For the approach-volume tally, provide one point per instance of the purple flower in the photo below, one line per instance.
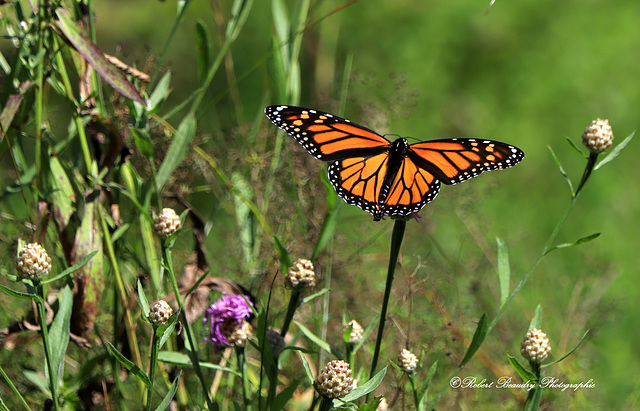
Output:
(224, 314)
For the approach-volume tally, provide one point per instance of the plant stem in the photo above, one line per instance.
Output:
(396, 241)
(45, 340)
(242, 365)
(152, 365)
(192, 350)
(293, 304)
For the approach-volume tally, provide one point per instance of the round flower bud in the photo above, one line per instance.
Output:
(33, 261)
(301, 275)
(597, 137)
(334, 380)
(407, 361)
(159, 312)
(276, 341)
(237, 333)
(166, 223)
(535, 346)
(356, 332)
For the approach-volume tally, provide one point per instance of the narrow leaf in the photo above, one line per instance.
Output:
(422, 393)
(285, 395)
(330, 220)
(160, 93)
(478, 338)
(575, 147)
(564, 173)
(178, 150)
(580, 241)
(504, 271)
(525, 374)
(307, 368)
(126, 363)
(142, 300)
(71, 269)
(59, 332)
(536, 321)
(363, 389)
(533, 399)
(166, 401)
(95, 57)
(569, 353)
(314, 338)
(314, 295)
(11, 107)
(143, 142)
(16, 294)
(285, 258)
(183, 360)
(203, 51)
(615, 152)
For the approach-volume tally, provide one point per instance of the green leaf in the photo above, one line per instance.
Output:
(95, 57)
(160, 93)
(126, 363)
(564, 173)
(16, 294)
(183, 360)
(143, 142)
(142, 300)
(59, 333)
(314, 338)
(575, 147)
(166, 401)
(615, 152)
(422, 393)
(570, 351)
(285, 395)
(362, 390)
(330, 222)
(525, 374)
(536, 321)
(504, 271)
(533, 399)
(307, 368)
(178, 150)
(11, 107)
(478, 338)
(71, 269)
(285, 258)
(578, 242)
(203, 51)
(314, 295)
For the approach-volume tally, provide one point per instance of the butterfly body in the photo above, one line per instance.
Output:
(388, 177)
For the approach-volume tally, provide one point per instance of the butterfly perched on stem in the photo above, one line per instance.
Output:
(385, 177)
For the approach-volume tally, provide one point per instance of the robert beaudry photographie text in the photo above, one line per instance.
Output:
(509, 382)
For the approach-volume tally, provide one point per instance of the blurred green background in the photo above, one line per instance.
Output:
(529, 73)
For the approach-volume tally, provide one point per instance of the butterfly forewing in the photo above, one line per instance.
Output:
(455, 160)
(324, 135)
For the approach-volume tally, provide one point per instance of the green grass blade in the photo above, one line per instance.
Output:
(536, 321)
(578, 242)
(363, 389)
(129, 365)
(615, 152)
(166, 401)
(203, 50)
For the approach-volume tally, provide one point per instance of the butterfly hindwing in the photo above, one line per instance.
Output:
(325, 136)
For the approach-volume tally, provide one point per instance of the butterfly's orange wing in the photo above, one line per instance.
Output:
(455, 160)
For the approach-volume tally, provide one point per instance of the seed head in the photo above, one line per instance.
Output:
(300, 275)
(356, 332)
(166, 223)
(334, 380)
(160, 312)
(535, 346)
(407, 361)
(597, 137)
(237, 333)
(33, 261)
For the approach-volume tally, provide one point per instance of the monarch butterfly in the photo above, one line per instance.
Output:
(384, 177)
